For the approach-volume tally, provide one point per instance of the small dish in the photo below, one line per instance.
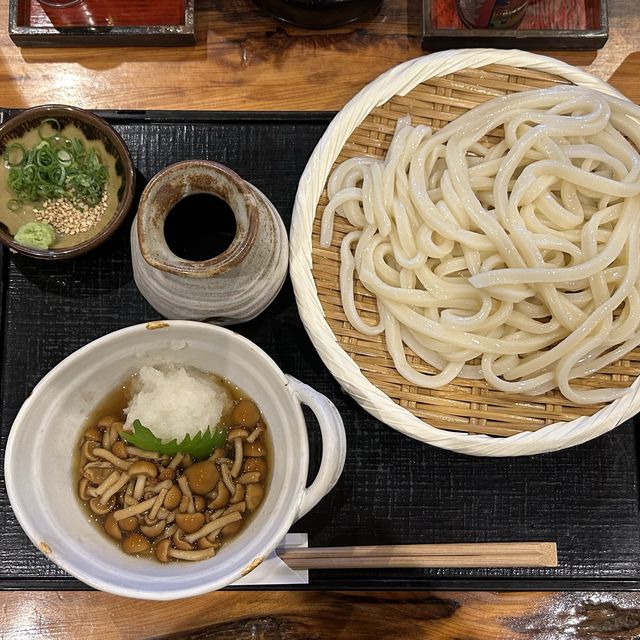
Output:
(119, 187)
(40, 466)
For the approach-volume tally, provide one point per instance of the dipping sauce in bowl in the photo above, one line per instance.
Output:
(66, 182)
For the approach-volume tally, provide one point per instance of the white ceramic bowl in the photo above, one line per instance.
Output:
(39, 456)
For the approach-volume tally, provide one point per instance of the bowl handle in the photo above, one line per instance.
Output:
(334, 443)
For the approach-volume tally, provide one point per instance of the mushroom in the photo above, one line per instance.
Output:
(199, 554)
(135, 543)
(214, 525)
(216, 455)
(231, 529)
(199, 503)
(177, 459)
(166, 474)
(153, 514)
(87, 450)
(114, 488)
(172, 498)
(101, 509)
(93, 434)
(83, 487)
(134, 510)
(128, 524)
(186, 504)
(168, 532)
(236, 436)
(178, 540)
(110, 525)
(142, 469)
(190, 522)
(162, 550)
(226, 478)
(245, 413)
(222, 497)
(254, 450)
(113, 433)
(255, 464)
(123, 465)
(187, 461)
(106, 421)
(255, 434)
(111, 479)
(238, 496)
(134, 452)
(253, 496)
(119, 449)
(202, 477)
(205, 543)
(238, 506)
(95, 474)
(151, 531)
(250, 477)
(164, 485)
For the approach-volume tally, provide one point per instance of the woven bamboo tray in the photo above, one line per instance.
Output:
(466, 415)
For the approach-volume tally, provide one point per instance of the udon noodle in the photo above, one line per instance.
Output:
(515, 260)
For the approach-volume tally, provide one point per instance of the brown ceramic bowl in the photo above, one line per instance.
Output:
(121, 181)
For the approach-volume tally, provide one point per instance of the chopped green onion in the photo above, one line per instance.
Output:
(57, 167)
(55, 125)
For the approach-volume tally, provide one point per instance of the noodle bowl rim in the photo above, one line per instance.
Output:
(398, 81)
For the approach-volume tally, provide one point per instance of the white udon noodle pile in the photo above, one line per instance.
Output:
(522, 253)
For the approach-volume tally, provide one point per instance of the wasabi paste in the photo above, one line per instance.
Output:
(36, 235)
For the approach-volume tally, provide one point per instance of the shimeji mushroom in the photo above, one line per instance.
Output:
(111, 479)
(226, 478)
(153, 530)
(97, 472)
(135, 543)
(173, 497)
(202, 477)
(112, 527)
(250, 477)
(236, 436)
(255, 464)
(254, 450)
(101, 509)
(253, 496)
(142, 469)
(162, 550)
(245, 413)
(114, 488)
(119, 449)
(128, 524)
(93, 434)
(134, 452)
(190, 522)
(194, 555)
(214, 525)
(134, 509)
(87, 450)
(222, 497)
(123, 465)
(254, 434)
(179, 542)
(238, 496)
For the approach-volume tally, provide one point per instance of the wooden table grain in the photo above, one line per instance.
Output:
(244, 60)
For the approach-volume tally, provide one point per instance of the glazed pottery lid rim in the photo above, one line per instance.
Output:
(166, 260)
(124, 156)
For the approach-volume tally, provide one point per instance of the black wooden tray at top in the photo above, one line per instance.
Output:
(393, 490)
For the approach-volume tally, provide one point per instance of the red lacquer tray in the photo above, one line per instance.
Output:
(548, 24)
(96, 22)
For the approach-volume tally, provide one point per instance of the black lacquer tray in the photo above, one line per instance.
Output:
(393, 490)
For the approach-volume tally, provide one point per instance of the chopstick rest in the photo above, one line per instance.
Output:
(454, 555)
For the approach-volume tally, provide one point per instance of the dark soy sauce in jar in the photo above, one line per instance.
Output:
(199, 227)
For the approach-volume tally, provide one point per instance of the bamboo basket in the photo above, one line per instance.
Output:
(466, 415)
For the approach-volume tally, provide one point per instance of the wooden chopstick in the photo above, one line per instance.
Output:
(452, 555)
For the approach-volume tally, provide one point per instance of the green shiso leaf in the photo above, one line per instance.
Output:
(200, 446)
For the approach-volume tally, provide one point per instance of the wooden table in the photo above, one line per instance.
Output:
(244, 60)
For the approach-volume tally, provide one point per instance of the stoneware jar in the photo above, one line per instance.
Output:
(41, 466)
(232, 287)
